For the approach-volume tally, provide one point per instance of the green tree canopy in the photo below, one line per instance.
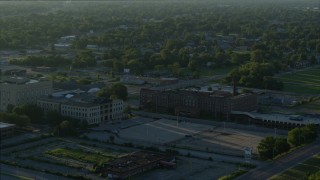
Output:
(65, 128)
(255, 74)
(34, 112)
(13, 118)
(266, 147)
(116, 91)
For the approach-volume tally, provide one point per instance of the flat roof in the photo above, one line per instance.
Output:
(5, 125)
(133, 161)
(19, 80)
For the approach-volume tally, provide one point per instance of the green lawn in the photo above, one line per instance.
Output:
(301, 171)
(80, 155)
(307, 81)
(311, 106)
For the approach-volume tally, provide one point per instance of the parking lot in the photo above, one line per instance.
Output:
(190, 169)
(162, 131)
(217, 139)
(224, 140)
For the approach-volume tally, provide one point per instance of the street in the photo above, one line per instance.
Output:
(19, 173)
(269, 170)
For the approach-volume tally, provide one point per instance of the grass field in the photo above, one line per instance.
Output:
(311, 107)
(301, 171)
(81, 155)
(305, 81)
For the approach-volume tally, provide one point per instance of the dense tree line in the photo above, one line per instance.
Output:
(255, 74)
(85, 59)
(174, 38)
(115, 91)
(49, 61)
(298, 136)
(315, 176)
(270, 147)
(25, 114)
(13, 118)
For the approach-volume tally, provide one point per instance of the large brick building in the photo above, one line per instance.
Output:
(194, 103)
(135, 163)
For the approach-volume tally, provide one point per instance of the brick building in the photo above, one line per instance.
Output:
(135, 163)
(194, 103)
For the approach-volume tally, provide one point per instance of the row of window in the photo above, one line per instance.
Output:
(79, 114)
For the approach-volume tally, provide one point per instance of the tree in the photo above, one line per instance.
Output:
(13, 118)
(116, 91)
(294, 137)
(85, 59)
(80, 43)
(135, 66)
(315, 176)
(84, 81)
(117, 66)
(127, 109)
(34, 112)
(65, 128)
(255, 74)
(257, 56)
(119, 91)
(309, 132)
(53, 118)
(281, 145)
(266, 147)
(105, 92)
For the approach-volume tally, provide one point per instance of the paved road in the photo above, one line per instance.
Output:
(27, 173)
(269, 170)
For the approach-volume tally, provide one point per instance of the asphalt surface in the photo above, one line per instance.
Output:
(269, 170)
(12, 172)
(232, 125)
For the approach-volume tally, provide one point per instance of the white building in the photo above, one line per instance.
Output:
(84, 107)
(117, 110)
(92, 113)
(17, 90)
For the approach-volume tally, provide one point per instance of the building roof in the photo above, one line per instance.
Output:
(19, 80)
(6, 125)
(83, 100)
(192, 93)
(75, 85)
(133, 161)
